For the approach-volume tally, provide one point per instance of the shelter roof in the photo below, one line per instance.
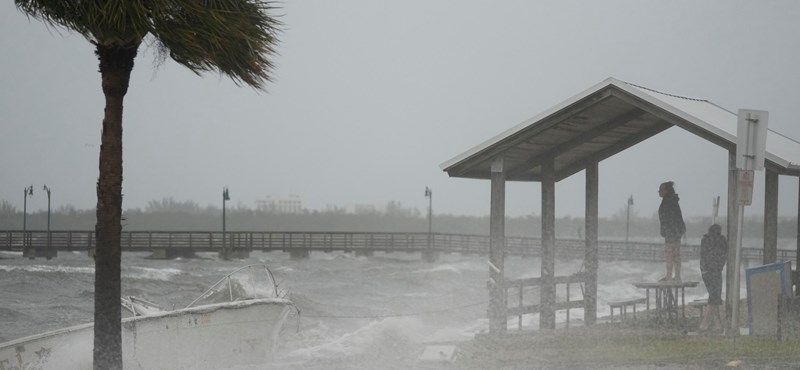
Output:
(603, 121)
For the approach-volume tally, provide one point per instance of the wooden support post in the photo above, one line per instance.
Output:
(91, 246)
(28, 251)
(590, 260)
(299, 253)
(365, 252)
(158, 254)
(497, 291)
(430, 256)
(547, 317)
(770, 216)
(240, 253)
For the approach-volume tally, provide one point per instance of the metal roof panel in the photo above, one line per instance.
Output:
(604, 102)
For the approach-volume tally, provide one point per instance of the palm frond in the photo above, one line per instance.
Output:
(235, 37)
(109, 23)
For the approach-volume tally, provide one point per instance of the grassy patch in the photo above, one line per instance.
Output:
(614, 346)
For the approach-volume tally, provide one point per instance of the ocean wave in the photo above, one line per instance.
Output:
(440, 268)
(283, 269)
(86, 294)
(10, 254)
(417, 295)
(380, 336)
(150, 273)
(12, 315)
(48, 269)
(459, 334)
(457, 268)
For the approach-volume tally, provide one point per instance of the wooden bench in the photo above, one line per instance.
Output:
(623, 305)
(700, 304)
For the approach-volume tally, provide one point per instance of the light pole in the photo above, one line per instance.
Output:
(47, 189)
(714, 210)
(28, 192)
(429, 195)
(225, 197)
(628, 218)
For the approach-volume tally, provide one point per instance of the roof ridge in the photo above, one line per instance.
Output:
(667, 94)
(679, 96)
(705, 101)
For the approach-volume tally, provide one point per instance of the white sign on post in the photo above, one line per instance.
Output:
(751, 144)
(744, 187)
(751, 139)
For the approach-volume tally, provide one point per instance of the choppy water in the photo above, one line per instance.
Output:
(376, 312)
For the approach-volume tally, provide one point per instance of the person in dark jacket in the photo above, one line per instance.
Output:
(713, 255)
(672, 229)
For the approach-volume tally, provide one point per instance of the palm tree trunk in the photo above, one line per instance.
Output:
(116, 64)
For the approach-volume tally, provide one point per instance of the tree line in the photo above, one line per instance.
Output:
(171, 215)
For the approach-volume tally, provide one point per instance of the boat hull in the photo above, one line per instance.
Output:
(215, 336)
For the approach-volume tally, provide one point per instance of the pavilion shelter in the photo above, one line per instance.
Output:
(575, 136)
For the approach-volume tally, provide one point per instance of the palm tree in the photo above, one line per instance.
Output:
(235, 37)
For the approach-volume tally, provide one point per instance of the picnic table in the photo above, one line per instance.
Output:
(669, 296)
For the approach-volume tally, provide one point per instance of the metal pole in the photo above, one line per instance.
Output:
(429, 195)
(628, 217)
(224, 198)
(749, 164)
(430, 217)
(48, 216)
(627, 222)
(24, 211)
(27, 192)
(223, 225)
(737, 275)
(714, 209)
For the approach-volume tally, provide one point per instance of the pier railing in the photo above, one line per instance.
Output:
(521, 307)
(212, 241)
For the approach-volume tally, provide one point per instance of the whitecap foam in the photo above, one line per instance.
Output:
(11, 253)
(283, 269)
(635, 268)
(382, 334)
(48, 268)
(150, 273)
(457, 268)
(441, 268)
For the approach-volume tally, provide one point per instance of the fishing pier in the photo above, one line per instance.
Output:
(239, 244)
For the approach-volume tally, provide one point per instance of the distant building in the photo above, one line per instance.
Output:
(358, 208)
(291, 204)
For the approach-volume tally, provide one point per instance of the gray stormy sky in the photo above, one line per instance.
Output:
(370, 97)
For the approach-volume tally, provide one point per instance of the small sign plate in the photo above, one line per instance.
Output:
(744, 187)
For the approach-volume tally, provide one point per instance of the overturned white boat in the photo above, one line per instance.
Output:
(235, 322)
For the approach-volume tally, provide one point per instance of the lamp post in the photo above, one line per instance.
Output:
(47, 189)
(714, 210)
(628, 218)
(429, 195)
(27, 192)
(225, 197)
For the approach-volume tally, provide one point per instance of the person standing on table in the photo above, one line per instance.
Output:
(672, 229)
(713, 255)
